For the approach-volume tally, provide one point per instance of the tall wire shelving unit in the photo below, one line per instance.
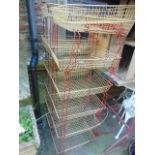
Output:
(74, 65)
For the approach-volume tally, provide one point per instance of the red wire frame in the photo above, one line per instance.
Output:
(71, 63)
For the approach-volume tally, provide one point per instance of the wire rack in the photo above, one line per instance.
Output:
(77, 107)
(93, 18)
(87, 57)
(64, 47)
(74, 110)
(82, 83)
(107, 131)
(71, 142)
(74, 126)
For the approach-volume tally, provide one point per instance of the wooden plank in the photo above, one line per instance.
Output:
(48, 49)
(99, 44)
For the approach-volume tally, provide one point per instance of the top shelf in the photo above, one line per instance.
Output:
(109, 19)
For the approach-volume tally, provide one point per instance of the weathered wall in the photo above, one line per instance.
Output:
(25, 46)
(23, 23)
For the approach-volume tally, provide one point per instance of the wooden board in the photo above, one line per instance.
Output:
(99, 43)
(48, 49)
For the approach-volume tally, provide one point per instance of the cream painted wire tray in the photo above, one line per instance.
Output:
(82, 83)
(93, 18)
(86, 59)
(77, 107)
(74, 126)
(71, 142)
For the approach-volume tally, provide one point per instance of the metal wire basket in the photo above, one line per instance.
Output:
(77, 107)
(94, 18)
(74, 126)
(82, 83)
(88, 58)
(71, 142)
(106, 131)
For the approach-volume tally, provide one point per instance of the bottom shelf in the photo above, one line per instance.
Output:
(74, 126)
(71, 142)
(104, 143)
(76, 107)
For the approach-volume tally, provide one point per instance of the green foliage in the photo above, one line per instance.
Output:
(26, 122)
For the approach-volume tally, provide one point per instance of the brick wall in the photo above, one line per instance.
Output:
(23, 23)
(25, 46)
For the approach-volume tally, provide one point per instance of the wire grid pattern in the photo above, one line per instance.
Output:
(77, 107)
(89, 18)
(74, 126)
(79, 86)
(78, 83)
(63, 41)
(66, 44)
(87, 58)
(71, 142)
(109, 139)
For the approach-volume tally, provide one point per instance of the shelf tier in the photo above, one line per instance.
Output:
(71, 142)
(77, 107)
(110, 127)
(88, 57)
(81, 82)
(94, 18)
(69, 128)
(110, 144)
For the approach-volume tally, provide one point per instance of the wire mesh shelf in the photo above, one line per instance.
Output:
(75, 112)
(77, 107)
(93, 18)
(71, 142)
(88, 58)
(74, 126)
(80, 83)
(105, 131)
